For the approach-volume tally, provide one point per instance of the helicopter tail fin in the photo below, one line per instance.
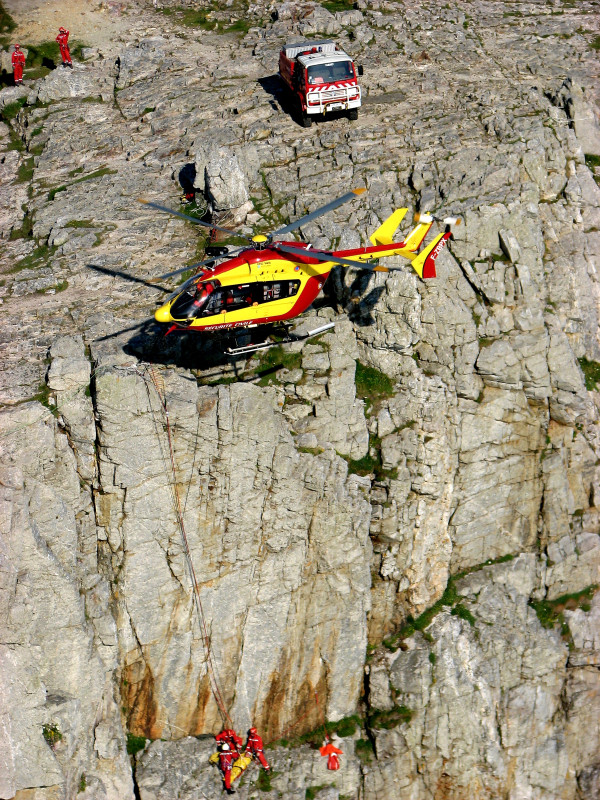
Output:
(424, 263)
(415, 238)
(385, 233)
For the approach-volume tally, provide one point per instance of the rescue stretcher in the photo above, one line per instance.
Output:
(239, 765)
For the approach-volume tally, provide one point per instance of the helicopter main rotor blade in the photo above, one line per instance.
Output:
(322, 256)
(323, 210)
(212, 260)
(182, 288)
(116, 273)
(125, 330)
(193, 219)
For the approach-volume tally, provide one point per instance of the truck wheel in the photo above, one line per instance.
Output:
(353, 113)
(305, 119)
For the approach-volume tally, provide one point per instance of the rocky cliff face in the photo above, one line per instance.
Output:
(396, 522)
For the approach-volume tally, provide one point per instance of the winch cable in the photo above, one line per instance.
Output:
(158, 385)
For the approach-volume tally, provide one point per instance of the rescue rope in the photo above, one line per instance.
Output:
(211, 670)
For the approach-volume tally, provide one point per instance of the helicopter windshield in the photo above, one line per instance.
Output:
(193, 302)
(330, 73)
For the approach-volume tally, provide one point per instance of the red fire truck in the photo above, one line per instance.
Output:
(322, 77)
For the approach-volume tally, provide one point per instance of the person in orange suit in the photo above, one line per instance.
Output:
(63, 43)
(226, 759)
(255, 748)
(229, 737)
(332, 752)
(18, 62)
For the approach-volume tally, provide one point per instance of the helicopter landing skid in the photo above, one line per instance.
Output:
(253, 348)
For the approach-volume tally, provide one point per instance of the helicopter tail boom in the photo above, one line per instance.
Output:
(385, 233)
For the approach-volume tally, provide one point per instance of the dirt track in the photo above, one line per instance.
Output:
(94, 23)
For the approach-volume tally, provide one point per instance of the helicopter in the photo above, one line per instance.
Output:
(269, 280)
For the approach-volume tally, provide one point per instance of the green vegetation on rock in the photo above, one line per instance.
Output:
(591, 373)
(364, 750)
(135, 743)
(371, 384)
(450, 599)
(51, 733)
(390, 718)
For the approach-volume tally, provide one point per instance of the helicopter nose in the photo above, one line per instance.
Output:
(163, 314)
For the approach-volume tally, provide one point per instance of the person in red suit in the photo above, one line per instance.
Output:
(63, 43)
(332, 752)
(254, 748)
(226, 759)
(18, 62)
(229, 737)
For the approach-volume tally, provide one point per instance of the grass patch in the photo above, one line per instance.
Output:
(99, 173)
(21, 233)
(591, 373)
(240, 26)
(51, 733)
(191, 18)
(595, 43)
(389, 719)
(7, 23)
(11, 110)
(364, 750)
(82, 783)
(362, 466)
(263, 782)
(25, 171)
(551, 612)
(274, 359)
(338, 5)
(80, 223)
(450, 599)
(371, 384)
(135, 743)
(464, 613)
(346, 726)
(312, 791)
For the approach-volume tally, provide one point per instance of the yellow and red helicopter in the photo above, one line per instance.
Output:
(273, 281)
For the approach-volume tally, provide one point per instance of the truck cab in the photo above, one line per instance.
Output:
(322, 77)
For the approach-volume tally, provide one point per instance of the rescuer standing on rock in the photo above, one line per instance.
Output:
(254, 748)
(226, 759)
(63, 43)
(18, 62)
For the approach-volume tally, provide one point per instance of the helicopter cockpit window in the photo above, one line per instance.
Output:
(195, 301)
(330, 73)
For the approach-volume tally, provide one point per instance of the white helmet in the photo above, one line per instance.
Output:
(225, 747)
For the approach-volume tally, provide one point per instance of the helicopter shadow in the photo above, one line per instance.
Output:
(205, 353)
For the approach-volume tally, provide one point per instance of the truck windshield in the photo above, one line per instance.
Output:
(330, 73)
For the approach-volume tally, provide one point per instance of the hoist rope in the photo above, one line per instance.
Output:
(211, 670)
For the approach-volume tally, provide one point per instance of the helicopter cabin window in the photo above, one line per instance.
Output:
(278, 290)
(330, 73)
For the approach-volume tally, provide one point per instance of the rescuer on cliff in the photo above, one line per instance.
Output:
(254, 748)
(226, 759)
(230, 738)
(332, 752)
(63, 43)
(18, 62)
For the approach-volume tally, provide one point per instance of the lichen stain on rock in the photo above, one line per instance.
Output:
(308, 714)
(137, 695)
(195, 720)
